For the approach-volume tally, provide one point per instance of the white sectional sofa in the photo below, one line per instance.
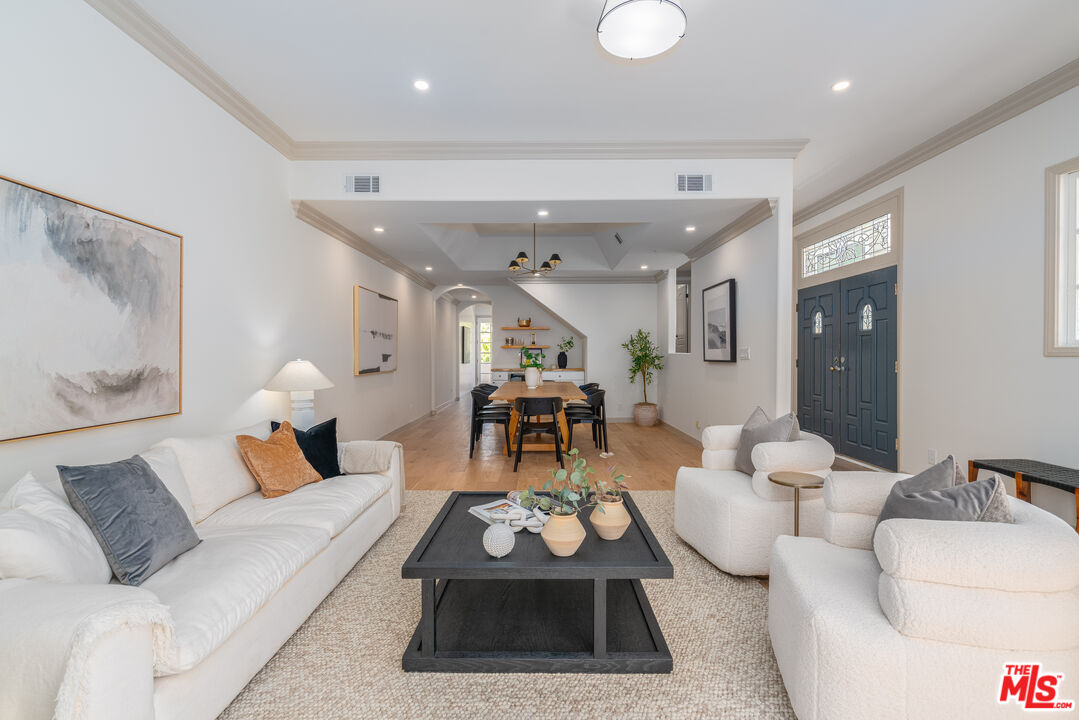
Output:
(919, 620)
(732, 519)
(223, 608)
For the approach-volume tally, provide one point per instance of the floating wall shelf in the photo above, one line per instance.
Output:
(525, 329)
(530, 347)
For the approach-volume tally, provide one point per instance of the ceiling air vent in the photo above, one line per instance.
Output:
(694, 182)
(361, 183)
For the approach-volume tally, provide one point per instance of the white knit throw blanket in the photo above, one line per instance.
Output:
(48, 636)
(367, 456)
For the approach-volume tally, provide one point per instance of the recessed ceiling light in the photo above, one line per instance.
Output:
(473, 297)
(428, 268)
(379, 228)
(543, 213)
(644, 267)
(841, 86)
(691, 228)
(460, 284)
(421, 85)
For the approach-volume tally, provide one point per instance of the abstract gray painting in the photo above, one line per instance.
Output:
(374, 333)
(90, 313)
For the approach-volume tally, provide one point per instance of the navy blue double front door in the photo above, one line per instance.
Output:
(847, 369)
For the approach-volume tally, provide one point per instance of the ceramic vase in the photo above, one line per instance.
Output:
(563, 360)
(612, 521)
(533, 377)
(563, 534)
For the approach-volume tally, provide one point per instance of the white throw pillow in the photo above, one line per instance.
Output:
(42, 538)
(163, 462)
(214, 469)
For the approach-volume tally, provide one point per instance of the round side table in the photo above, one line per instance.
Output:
(799, 481)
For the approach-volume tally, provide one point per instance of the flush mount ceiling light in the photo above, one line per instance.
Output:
(421, 85)
(841, 86)
(635, 29)
(519, 265)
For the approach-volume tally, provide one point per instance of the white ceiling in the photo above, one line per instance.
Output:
(473, 242)
(520, 70)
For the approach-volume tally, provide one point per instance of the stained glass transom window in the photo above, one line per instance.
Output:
(867, 317)
(860, 243)
(818, 323)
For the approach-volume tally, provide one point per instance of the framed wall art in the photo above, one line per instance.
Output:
(720, 321)
(91, 323)
(374, 332)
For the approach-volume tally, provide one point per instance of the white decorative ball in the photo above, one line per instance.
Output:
(498, 540)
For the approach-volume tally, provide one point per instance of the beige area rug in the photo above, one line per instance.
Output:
(345, 662)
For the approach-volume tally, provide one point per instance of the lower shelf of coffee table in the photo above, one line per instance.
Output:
(541, 626)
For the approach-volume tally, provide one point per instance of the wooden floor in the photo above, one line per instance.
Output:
(436, 455)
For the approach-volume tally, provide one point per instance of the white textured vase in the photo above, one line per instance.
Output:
(533, 378)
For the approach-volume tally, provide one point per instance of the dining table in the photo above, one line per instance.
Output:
(510, 391)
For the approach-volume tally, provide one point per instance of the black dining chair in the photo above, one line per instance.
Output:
(484, 412)
(595, 414)
(586, 389)
(529, 409)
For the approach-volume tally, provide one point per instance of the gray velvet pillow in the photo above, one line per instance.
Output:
(758, 429)
(136, 520)
(940, 493)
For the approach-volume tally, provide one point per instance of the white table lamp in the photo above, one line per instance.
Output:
(300, 378)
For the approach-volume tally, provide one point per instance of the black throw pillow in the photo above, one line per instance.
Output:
(136, 520)
(319, 446)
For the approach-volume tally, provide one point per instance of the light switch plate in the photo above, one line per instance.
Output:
(743, 353)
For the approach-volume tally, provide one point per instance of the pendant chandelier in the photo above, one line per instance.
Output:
(635, 29)
(519, 265)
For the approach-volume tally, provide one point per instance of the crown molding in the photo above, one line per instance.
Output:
(1059, 81)
(511, 150)
(334, 229)
(660, 276)
(143, 29)
(739, 226)
(583, 280)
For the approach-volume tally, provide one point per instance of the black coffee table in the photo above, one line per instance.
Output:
(532, 611)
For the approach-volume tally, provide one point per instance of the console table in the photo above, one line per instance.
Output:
(1032, 471)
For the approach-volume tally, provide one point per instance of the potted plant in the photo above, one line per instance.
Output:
(570, 491)
(532, 362)
(563, 347)
(644, 360)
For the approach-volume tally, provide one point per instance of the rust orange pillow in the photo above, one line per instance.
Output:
(278, 463)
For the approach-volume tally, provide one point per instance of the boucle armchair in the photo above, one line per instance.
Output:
(919, 619)
(732, 518)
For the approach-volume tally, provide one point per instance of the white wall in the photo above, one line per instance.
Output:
(92, 115)
(466, 372)
(973, 380)
(447, 355)
(509, 302)
(696, 394)
(607, 314)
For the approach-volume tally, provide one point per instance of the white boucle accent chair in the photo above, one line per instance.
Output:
(731, 518)
(918, 620)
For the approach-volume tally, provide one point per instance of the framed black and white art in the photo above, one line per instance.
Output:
(719, 323)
